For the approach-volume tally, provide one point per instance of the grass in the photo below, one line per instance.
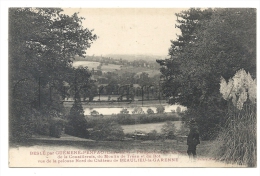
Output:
(88, 64)
(147, 127)
(110, 67)
(137, 70)
(158, 146)
(237, 142)
(120, 69)
(166, 149)
(151, 72)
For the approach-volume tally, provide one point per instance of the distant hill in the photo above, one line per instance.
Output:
(135, 57)
(149, 58)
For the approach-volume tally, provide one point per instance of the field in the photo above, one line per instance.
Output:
(150, 72)
(148, 127)
(138, 70)
(110, 68)
(88, 64)
(118, 68)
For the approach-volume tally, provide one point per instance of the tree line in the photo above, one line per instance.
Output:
(43, 43)
(214, 43)
(124, 62)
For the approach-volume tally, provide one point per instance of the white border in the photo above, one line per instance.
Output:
(4, 170)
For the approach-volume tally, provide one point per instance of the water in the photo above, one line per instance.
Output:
(110, 111)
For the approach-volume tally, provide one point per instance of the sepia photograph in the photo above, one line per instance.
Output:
(132, 87)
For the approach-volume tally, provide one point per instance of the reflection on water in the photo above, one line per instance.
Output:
(110, 111)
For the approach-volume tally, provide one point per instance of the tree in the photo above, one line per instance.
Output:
(144, 79)
(42, 45)
(79, 82)
(178, 109)
(213, 43)
(77, 124)
(124, 111)
(138, 110)
(150, 111)
(160, 109)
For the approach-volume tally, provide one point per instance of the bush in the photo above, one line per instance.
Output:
(124, 111)
(237, 141)
(43, 128)
(108, 131)
(130, 119)
(77, 124)
(138, 110)
(178, 109)
(168, 130)
(153, 135)
(184, 129)
(160, 109)
(150, 111)
(94, 113)
(56, 127)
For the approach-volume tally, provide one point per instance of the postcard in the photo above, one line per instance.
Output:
(132, 87)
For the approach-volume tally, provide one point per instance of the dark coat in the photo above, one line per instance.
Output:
(193, 138)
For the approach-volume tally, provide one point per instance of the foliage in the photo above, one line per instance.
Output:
(168, 130)
(77, 124)
(107, 130)
(56, 127)
(42, 45)
(94, 113)
(184, 129)
(150, 111)
(138, 110)
(178, 109)
(237, 141)
(160, 109)
(153, 135)
(240, 88)
(124, 111)
(130, 119)
(213, 43)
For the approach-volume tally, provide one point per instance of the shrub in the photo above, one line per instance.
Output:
(106, 130)
(94, 113)
(77, 123)
(138, 110)
(168, 130)
(237, 141)
(43, 128)
(184, 129)
(153, 135)
(160, 109)
(150, 111)
(178, 109)
(124, 111)
(56, 127)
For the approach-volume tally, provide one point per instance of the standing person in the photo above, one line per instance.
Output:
(193, 139)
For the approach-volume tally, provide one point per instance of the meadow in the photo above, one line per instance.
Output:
(148, 127)
(88, 64)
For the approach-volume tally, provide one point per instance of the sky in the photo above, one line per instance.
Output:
(145, 31)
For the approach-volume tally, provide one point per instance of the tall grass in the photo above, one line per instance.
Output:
(237, 141)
